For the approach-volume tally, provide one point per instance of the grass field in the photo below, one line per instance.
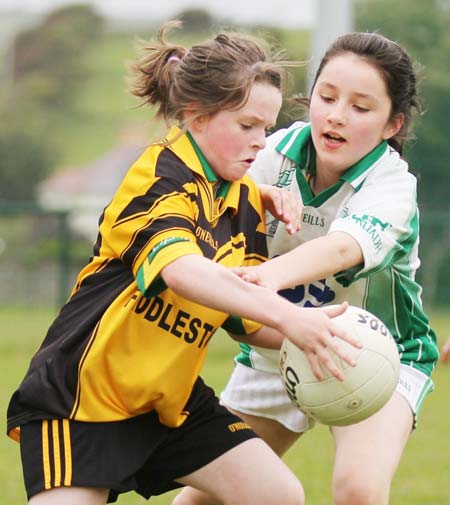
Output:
(422, 478)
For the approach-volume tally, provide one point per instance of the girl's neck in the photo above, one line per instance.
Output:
(323, 179)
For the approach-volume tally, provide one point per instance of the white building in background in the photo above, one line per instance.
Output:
(86, 190)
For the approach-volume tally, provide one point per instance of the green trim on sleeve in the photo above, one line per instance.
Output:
(158, 285)
(234, 325)
(164, 243)
(140, 279)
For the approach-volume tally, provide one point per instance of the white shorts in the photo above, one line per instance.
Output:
(262, 394)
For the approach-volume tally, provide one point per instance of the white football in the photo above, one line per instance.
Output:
(366, 387)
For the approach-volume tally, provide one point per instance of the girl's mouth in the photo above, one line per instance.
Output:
(334, 138)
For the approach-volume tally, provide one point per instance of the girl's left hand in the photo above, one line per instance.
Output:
(284, 205)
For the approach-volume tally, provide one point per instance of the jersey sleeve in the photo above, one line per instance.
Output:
(153, 226)
(382, 217)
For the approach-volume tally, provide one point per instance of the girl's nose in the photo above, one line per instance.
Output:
(337, 115)
(260, 140)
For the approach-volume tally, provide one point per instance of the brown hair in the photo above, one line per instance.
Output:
(211, 76)
(394, 65)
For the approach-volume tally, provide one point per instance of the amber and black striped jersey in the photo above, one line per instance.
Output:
(125, 344)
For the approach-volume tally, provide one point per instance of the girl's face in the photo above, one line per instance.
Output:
(350, 114)
(231, 139)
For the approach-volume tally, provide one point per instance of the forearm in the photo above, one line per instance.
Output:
(264, 337)
(202, 281)
(317, 259)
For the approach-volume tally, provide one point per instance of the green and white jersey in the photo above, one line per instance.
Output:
(375, 203)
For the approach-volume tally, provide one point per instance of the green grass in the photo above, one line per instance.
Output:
(422, 478)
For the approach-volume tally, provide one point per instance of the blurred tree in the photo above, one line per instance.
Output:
(47, 64)
(195, 20)
(48, 74)
(423, 29)
(26, 156)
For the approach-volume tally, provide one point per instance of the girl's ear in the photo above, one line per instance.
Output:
(197, 123)
(193, 120)
(394, 126)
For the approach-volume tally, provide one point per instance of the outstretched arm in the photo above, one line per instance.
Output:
(317, 259)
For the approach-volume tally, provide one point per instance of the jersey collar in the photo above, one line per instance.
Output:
(297, 146)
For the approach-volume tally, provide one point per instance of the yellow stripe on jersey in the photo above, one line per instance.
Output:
(67, 453)
(46, 456)
(56, 453)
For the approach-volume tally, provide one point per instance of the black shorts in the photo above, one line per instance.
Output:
(137, 454)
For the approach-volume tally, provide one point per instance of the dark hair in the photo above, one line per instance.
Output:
(394, 65)
(211, 76)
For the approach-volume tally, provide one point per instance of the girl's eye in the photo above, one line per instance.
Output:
(361, 109)
(326, 99)
(246, 126)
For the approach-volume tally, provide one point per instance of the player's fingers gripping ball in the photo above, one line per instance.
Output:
(365, 388)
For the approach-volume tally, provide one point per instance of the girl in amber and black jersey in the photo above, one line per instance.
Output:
(112, 401)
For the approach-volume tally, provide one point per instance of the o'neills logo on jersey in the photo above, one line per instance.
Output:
(313, 220)
(373, 226)
(206, 236)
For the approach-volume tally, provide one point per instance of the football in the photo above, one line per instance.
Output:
(366, 387)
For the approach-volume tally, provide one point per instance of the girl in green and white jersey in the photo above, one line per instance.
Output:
(358, 242)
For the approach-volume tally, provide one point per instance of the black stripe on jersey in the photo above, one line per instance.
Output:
(238, 245)
(98, 242)
(142, 236)
(154, 197)
(170, 169)
(98, 269)
(207, 191)
(248, 222)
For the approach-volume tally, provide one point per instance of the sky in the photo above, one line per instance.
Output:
(283, 13)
